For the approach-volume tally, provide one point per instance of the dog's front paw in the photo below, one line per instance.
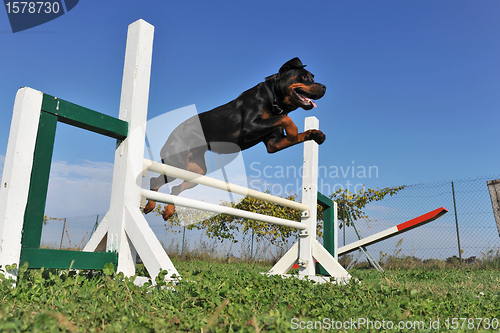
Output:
(317, 136)
(150, 206)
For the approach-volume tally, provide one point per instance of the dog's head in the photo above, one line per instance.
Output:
(294, 86)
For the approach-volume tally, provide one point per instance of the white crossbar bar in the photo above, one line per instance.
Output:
(219, 184)
(190, 203)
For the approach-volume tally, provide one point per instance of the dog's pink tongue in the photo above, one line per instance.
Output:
(314, 104)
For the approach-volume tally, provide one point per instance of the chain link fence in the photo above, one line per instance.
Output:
(468, 229)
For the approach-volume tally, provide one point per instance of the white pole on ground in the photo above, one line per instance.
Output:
(306, 262)
(17, 174)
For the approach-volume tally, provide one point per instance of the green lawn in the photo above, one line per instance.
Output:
(235, 297)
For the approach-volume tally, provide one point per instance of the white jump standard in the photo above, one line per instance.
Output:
(124, 228)
(307, 249)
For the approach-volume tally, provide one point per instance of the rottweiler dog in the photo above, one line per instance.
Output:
(259, 114)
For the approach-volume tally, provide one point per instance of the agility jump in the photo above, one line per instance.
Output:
(307, 249)
(27, 167)
(124, 232)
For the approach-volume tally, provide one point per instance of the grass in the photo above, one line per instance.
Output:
(232, 296)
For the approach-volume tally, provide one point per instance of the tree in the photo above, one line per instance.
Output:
(354, 203)
(225, 227)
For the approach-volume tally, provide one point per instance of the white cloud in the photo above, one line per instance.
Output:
(79, 189)
(101, 171)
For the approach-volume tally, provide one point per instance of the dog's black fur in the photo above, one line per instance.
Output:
(259, 114)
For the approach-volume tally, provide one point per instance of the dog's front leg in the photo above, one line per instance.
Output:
(287, 135)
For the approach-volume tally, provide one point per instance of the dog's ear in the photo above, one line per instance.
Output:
(295, 63)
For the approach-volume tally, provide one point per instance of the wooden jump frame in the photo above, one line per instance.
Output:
(27, 167)
(307, 250)
(124, 232)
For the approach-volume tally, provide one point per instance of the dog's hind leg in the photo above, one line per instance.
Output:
(154, 184)
(198, 166)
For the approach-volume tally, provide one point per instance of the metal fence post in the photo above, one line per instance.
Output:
(251, 247)
(456, 222)
(343, 228)
(183, 238)
(62, 235)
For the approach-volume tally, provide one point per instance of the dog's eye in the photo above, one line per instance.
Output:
(304, 77)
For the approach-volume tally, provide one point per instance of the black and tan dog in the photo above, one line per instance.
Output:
(259, 114)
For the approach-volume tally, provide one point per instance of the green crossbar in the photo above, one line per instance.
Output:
(64, 259)
(57, 110)
(87, 119)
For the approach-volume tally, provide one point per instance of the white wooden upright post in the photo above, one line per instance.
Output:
(133, 109)
(17, 174)
(306, 261)
(124, 227)
(307, 250)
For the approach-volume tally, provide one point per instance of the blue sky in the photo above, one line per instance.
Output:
(413, 87)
